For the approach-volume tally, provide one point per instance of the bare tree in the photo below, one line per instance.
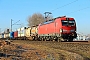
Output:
(35, 19)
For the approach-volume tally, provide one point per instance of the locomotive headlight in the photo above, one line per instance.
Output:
(60, 30)
(72, 30)
(64, 30)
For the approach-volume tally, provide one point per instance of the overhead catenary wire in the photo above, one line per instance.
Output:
(69, 4)
(16, 22)
(64, 5)
(78, 10)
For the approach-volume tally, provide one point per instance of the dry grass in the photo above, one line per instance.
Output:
(36, 50)
(82, 49)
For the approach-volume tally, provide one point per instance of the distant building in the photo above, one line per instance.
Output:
(81, 37)
(88, 35)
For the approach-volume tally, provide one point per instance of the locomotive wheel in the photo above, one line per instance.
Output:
(70, 39)
(42, 39)
(53, 40)
(59, 40)
(66, 40)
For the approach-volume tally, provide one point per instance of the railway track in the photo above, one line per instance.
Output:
(79, 41)
(76, 41)
(52, 42)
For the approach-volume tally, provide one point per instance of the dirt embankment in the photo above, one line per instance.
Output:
(30, 50)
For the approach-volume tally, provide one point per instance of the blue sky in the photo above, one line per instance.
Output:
(22, 9)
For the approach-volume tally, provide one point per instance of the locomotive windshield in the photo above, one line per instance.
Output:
(68, 22)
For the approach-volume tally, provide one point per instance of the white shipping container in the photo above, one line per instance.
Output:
(34, 31)
(0, 35)
(28, 32)
(22, 32)
(6, 35)
(19, 34)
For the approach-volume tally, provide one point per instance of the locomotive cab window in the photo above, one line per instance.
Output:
(71, 23)
(64, 23)
(68, 22)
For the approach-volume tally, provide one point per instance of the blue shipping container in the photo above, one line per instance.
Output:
(11, 34)
(2, 35)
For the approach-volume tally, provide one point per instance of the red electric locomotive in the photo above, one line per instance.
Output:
(58, 29)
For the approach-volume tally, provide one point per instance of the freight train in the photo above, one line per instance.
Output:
(57, 29)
